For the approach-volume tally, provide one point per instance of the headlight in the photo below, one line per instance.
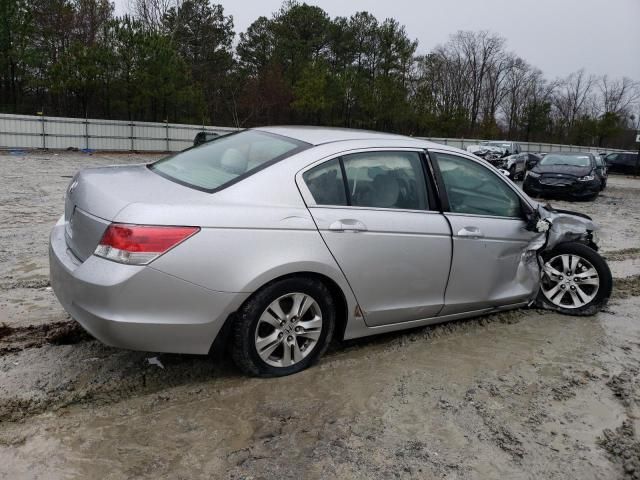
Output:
(587, 178)
(532, 174)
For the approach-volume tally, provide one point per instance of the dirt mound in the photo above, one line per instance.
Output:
(15, 339)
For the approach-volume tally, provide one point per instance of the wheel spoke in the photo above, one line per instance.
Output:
(266, 345)
(551, 293)
(277, 310)
(566, 266)
(552, 271)
(590, 281)
(574, 298)
(286, 355)
(584, 297)
(310, 334)
(268, 317)
(301, 303)
(573, 263)
(314, 324)
(587, 273)
(297, 353)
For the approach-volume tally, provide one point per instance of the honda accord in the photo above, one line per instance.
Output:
(272, 241)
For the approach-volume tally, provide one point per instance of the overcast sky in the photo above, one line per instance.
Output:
(557, 36)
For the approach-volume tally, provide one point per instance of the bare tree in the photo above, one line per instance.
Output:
(572, 97)
(618, 96)
(152, 12)
(480, 52)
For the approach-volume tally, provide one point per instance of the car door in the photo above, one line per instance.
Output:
(489, 236)
(373, 209)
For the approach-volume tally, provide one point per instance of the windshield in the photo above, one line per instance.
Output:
(560, 159)
(227, 159)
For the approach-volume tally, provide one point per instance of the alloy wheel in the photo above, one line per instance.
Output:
(569, 281)
(288, 330)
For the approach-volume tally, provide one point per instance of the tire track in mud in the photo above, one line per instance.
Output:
(16, 339)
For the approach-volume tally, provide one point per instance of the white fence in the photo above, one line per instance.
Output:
(30, 132)
(26, 131)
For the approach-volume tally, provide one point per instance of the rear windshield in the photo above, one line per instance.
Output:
(226, 160)
(573, 160)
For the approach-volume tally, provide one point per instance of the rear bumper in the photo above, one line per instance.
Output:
(576, 189)
(137, 307)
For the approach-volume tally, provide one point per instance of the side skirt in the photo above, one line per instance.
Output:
(356, 328)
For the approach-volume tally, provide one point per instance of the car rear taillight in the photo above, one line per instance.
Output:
(140, 244)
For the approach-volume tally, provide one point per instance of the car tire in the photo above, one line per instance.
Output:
(587, 260)
(253, 328)
(512, 172)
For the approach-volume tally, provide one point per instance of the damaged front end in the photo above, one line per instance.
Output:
(554, 227)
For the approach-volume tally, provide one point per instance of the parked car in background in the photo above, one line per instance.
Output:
(203, 137)
(516, 165)
(601, 171)
(274, 240)
(622, 162)
(573, 175)
(510, 148)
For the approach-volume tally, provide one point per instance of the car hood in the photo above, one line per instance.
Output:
(562, 169)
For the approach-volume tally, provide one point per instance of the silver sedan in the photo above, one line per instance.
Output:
(273, 241)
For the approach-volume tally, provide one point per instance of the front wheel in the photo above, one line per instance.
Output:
(576, 280)
(283, 328)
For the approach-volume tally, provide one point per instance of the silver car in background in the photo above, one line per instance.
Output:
(276, 240)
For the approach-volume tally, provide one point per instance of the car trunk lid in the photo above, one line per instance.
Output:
(96, 196)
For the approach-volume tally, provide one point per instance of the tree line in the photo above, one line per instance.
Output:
(180, 60)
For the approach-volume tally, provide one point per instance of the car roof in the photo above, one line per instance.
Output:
(322, 135)
(570, 153)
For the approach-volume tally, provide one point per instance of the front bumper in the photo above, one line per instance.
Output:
(137, 307)
(574, 188)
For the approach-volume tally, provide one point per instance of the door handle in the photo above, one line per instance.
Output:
(471, 232)
(348, 225)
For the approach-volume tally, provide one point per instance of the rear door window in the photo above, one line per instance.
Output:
(392, 180)
(386, 180)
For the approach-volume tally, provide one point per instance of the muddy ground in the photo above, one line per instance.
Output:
(523, 394)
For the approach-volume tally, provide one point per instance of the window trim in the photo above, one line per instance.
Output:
(444, 199)
(310, 202)
(302, 146)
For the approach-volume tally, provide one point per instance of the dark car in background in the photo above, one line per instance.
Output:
(622, 162)
(204, 137)
(572, 175)
(532, 159)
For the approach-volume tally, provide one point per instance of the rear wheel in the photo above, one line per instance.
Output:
(284, 328)
(575, 280)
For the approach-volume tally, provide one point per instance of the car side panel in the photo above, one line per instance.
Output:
(398, 267)
(487, 272)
